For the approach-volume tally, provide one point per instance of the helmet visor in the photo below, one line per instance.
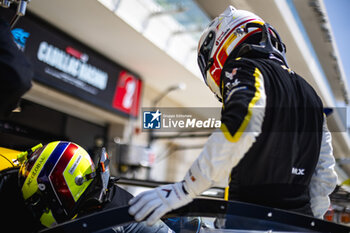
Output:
(204, 61)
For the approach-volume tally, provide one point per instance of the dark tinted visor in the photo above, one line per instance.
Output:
(204, 54)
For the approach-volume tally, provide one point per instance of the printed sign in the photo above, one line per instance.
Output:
(65, 64)
(127, 94)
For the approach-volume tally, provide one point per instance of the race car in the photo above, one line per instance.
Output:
(8, 158)
(211, 216)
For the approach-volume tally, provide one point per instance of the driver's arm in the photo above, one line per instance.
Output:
(324, 178)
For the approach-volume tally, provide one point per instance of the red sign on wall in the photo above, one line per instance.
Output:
(127, 94)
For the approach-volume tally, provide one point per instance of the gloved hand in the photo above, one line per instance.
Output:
(159, 201)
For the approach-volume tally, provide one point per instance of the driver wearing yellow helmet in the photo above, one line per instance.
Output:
(56, 183)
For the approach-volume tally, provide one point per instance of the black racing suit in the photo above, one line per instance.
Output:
(273, 143)
(14, 216)
(277, 169)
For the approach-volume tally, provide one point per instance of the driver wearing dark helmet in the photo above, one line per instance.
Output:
(274, 148)
(59, 182)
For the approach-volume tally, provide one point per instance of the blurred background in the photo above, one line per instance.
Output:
(143, 53)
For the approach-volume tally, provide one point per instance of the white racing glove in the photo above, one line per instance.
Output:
(155, 203)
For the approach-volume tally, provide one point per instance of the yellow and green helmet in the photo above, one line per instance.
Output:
(54, 179)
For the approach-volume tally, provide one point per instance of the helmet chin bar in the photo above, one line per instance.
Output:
(266, 43)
